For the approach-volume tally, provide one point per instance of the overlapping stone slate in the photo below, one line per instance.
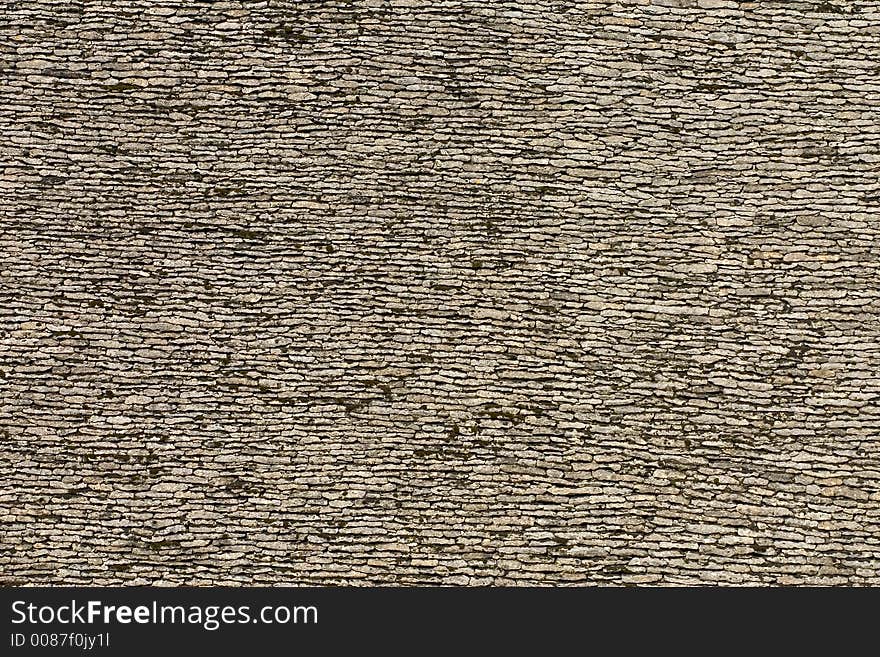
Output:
(397, 291)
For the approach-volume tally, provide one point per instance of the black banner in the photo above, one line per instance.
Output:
(125, 621)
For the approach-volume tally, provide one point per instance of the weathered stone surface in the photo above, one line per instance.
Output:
(411, 292)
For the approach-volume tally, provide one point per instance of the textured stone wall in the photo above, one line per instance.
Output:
(463, 292)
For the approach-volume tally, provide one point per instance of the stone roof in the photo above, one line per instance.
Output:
(447, 292)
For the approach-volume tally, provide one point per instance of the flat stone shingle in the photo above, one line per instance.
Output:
(415, 292)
